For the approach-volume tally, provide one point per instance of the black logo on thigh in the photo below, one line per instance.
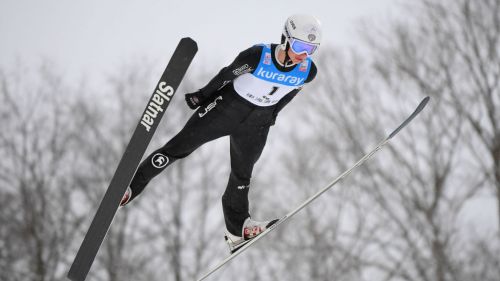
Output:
(159, 160)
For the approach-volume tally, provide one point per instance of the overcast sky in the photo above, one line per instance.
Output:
(93, 36)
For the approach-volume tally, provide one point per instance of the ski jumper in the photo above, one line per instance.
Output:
(242, 102)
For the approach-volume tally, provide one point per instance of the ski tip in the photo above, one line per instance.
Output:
(421, 105)
(419, 108)
(188, 41)
(424, 102)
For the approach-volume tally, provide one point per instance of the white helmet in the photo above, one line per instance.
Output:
(302, 33)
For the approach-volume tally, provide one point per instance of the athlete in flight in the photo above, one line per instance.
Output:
(242, 101)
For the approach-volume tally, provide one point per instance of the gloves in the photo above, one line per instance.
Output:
(194, 100)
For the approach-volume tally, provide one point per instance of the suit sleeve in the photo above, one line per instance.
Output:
(245, 62)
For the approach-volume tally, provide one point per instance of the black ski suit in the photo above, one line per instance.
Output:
(230, 108)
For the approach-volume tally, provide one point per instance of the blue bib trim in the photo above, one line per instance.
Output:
(266, 70)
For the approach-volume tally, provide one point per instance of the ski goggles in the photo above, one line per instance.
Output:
(301, 47)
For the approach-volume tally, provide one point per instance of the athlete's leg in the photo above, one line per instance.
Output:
(246, 148)
(200, 129)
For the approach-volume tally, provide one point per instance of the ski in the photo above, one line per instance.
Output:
(155, 108)
(419, 108)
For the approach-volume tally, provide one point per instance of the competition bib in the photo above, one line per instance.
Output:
(266, 85)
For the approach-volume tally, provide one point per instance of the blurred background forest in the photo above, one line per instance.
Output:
(414, 212)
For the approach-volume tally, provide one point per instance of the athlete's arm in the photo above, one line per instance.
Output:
(245, 62)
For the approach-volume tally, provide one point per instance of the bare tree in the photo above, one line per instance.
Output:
(411, 196)
(421, 236)
(451, 51)
(36, 146)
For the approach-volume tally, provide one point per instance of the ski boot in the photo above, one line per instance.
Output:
(250, 230)
(126, 197)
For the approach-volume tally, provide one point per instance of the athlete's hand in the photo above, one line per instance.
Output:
(194, 100)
